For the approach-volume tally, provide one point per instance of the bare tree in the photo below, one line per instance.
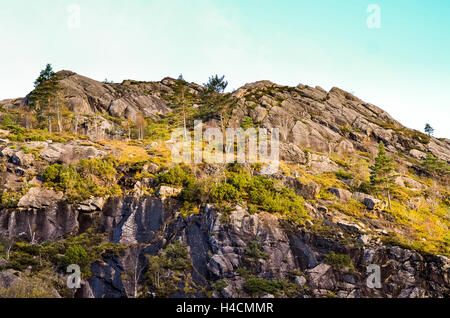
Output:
(7, 242)
(285, 124)
(32, 233)
(135, 271)
(140, 124)
(76, 124)
(58, 115)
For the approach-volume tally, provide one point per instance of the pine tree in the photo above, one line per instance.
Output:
(45, 75)
(182, 100)
(382, 173)
(216, 84)
(429, 130)
(215, 102)
(437, 168)
(44, 99)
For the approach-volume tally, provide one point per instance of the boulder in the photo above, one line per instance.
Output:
(349, 226)
(52, 153)
(321, 164)
(21, 159)
(370, 202)
(151, 168)
(37, 198)
(373, 204)
(3, 263)
(258, 114)
(341, 194)
(66, 153)
(220, 266)
(364, 239)
(344, 147)
(165, 192)
(8, 152)
(309, 190)
(300, 281)
(7, 278)
(91, 205)
(291, 153)
(409, 183)
(322, 209)
(417, 154)
(320, 277)
(415, 292)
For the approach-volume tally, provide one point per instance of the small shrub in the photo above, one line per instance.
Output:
(29, 287)
(341, 174)
(10, 200)
(165, 271)
(76, 254)
(81, 185)
(177, 176)
(189, 208)
(36, 138)
(339, 261)
(247, 123)
(255, 251)
(220, 285)
(224, 192)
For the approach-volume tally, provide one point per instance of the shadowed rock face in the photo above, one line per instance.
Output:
(40, 225)
(219, 245)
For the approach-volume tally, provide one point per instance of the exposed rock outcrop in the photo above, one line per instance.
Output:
(219, 245)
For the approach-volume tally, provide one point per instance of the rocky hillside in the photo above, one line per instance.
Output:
(89, 180)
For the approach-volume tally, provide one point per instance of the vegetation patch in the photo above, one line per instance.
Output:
(258, 287)
(339, 261)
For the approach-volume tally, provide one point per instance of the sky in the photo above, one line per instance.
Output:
(392, 53)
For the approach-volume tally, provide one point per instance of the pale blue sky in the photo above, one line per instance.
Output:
(403, 67)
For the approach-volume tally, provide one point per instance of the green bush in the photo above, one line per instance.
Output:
(52, 173)
(341, 174)
(435, 166)
(177, 257)
(366, 187)
(157, 131)
(10, 200)
(247, 123)
(18, 137)
(166, 271)
(102, 169)
(259, 192)
(255, 251)
(220, 285)
(92, 178)
(36, 138)
(29, 286)
(224, 192)
(339, 261)
(77, 254)
(177, 176)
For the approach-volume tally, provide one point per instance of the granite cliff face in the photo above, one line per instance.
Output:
(220, 246)
(145, 229)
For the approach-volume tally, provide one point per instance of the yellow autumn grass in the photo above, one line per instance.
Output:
(127, 153)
